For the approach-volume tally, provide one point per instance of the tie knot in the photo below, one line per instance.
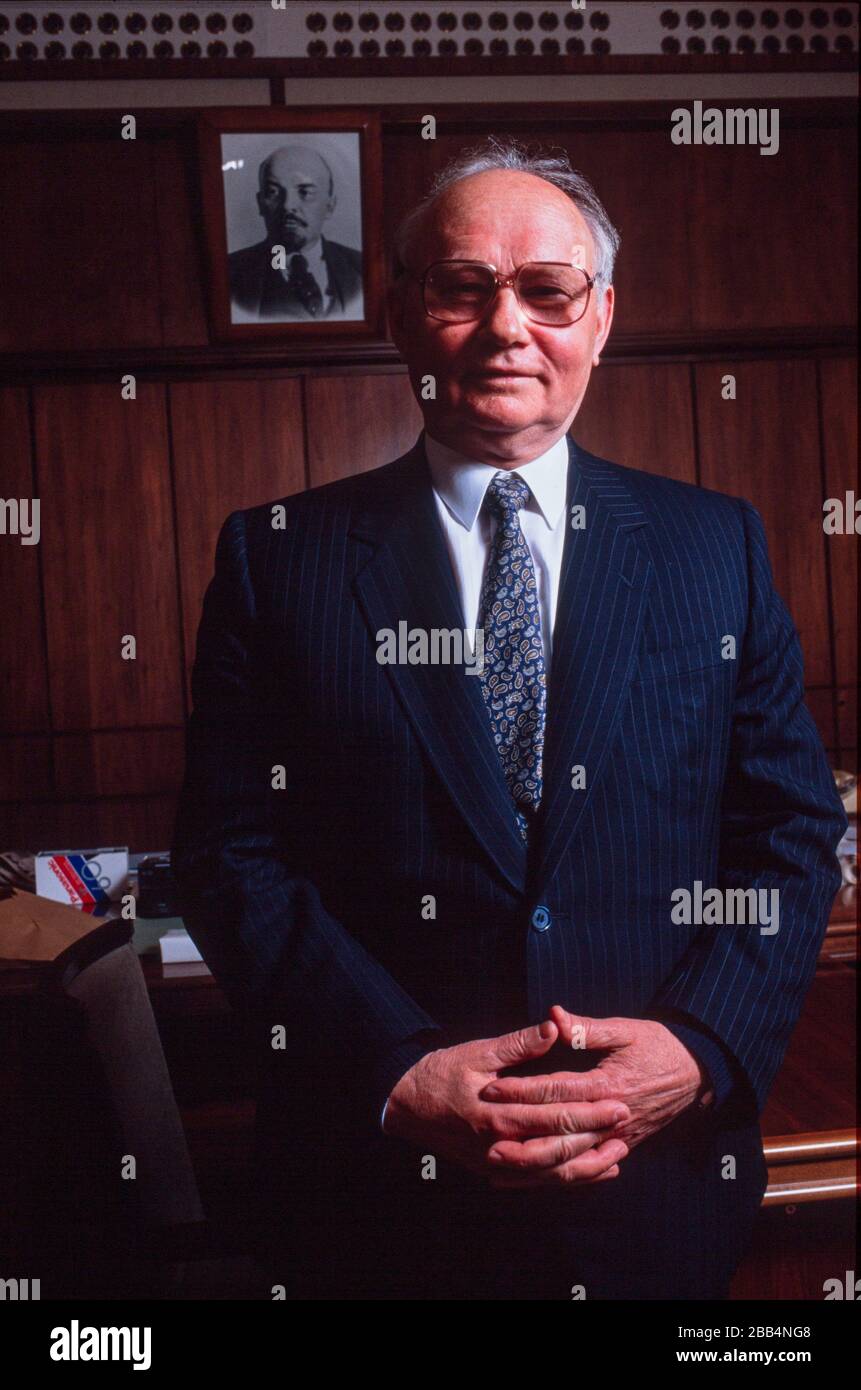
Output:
(298, 262)
(507, 494)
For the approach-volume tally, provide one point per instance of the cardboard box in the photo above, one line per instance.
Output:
(82, 877)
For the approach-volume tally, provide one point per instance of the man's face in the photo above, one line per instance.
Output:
(294, 198)
(504, 385)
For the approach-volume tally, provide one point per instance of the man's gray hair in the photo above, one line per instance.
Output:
(553, 166)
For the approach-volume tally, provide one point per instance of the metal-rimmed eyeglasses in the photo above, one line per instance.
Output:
(549, 292)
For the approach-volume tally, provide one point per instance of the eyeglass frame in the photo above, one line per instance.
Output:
(505, 282)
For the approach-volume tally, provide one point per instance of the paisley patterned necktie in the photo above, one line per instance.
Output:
(513, 680)
(302, 284)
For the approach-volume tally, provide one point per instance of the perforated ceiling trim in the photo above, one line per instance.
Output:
(83, 30)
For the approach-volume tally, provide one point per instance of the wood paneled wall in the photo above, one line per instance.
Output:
(731, 264)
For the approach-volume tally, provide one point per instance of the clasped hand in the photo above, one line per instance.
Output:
(564, 1128)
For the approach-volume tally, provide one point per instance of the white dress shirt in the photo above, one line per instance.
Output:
(459, 485)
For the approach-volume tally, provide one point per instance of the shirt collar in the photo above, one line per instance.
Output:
(461, 482)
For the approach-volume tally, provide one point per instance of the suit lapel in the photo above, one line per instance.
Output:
(264, 269)
(408, 578)
(330, 262)
(602, 596)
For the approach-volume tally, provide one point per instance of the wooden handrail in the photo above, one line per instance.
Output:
(811, 1182)
(826, 1145)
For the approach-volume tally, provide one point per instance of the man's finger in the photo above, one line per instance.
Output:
(552, 1089)
(587, 1167)
(509, 1156)
(543, 1121)
(585, 1033)
(519, 1046)
(515, 1183)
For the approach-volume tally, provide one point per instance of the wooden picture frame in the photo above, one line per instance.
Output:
(277, 184)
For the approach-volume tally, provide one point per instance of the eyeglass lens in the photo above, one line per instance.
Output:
(459, 291)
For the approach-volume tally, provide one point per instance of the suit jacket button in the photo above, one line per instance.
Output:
(541, 918)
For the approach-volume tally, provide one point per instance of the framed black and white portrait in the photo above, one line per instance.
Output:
(292, 213)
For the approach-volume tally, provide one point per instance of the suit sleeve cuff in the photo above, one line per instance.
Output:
(388, 1069)
(711, 1055)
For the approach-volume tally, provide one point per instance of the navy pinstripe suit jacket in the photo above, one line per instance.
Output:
(306, 898)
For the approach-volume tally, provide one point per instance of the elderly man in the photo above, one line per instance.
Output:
(499, 1061)
(318, 278)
